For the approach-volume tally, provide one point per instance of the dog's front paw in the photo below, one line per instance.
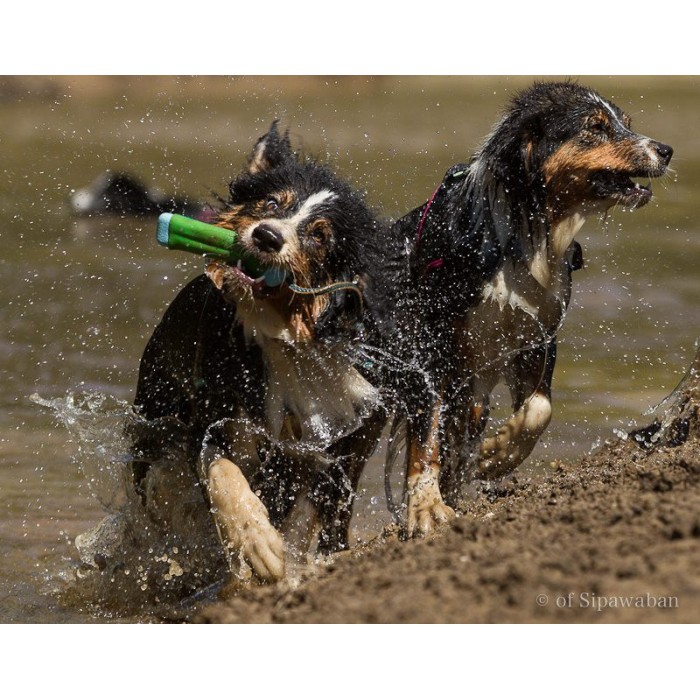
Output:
(259, 545)
(426, 518)
(427, 511)
(497, 448)
(244, 526)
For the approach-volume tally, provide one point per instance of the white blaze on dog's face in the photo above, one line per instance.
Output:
(294, 218)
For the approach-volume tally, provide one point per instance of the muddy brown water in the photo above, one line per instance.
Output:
(79, 298)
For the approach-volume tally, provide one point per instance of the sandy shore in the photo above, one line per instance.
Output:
(612, 538)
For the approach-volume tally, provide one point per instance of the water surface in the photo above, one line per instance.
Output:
(79, 298)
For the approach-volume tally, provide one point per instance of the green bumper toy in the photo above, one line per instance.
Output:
(178, 232)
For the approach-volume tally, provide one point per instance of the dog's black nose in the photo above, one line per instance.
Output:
(267, 239)
(665, 152)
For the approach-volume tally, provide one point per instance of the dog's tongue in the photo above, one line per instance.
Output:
(272, 277)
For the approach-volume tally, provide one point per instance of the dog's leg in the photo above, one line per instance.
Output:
(335, 489)
(531, 387)
(300, 525)
(505, 451)
(243, 522)
(426, 509)
(461, 447)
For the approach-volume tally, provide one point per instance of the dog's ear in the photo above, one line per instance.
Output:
(533, 148)
(270, 151)
(514, 151)
(527, 154)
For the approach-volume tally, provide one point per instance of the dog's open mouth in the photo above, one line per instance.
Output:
(622, 188)
(240, 273)
(236, 277)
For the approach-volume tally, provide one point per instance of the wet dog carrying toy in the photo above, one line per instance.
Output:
(178, 232)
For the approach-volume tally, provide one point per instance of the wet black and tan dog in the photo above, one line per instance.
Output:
(492, 262)
(264, 378)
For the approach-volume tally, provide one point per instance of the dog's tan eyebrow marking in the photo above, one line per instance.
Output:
(319, 228)
(285, 198)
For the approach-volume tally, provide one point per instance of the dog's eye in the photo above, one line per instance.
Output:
(596, 127)
(319, 233)
(271, 205)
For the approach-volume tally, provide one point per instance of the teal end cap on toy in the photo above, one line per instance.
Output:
(162, 232)
(274, 277)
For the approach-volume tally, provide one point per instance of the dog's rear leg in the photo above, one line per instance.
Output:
(504, 452)
(243, 523)
(426, 509)
(531, 387)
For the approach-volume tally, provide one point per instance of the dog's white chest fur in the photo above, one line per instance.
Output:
(516, 291)
(318, 386)
(515, 312)
(505, 291)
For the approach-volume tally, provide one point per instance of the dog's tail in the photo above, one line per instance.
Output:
(397, 444)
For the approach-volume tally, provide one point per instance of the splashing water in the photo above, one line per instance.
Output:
(97, 422)
(157, 548)
(148, 555)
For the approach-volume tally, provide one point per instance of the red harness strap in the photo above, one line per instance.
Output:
(438, 262)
